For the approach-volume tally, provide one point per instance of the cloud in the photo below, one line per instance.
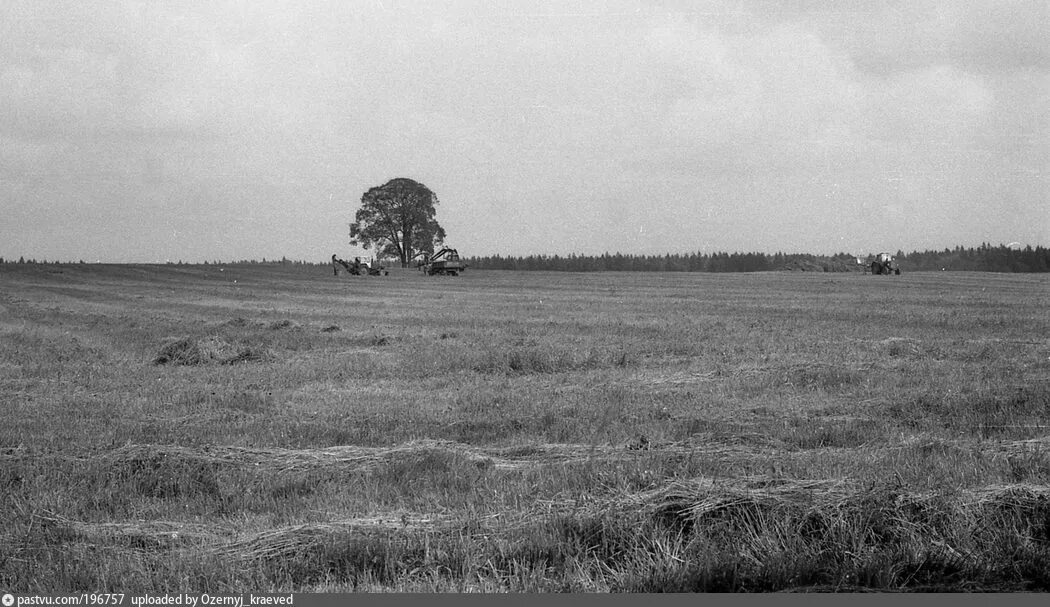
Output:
(981, 35)
(254, 126)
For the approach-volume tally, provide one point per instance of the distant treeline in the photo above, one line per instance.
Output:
(981, 259)
(984, 258)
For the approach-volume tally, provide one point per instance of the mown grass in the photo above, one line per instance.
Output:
(274, 428)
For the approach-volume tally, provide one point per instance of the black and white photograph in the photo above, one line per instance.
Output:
(305, 298)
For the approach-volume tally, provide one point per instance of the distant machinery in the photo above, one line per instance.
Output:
(358, 267)
(446, 262)
(884, 263)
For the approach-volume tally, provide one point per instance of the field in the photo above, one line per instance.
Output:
(275, 428)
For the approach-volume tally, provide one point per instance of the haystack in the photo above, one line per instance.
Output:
(189, 351)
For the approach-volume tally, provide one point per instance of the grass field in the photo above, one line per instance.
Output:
(275, 428)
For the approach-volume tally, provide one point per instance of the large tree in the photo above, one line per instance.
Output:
(397, 218)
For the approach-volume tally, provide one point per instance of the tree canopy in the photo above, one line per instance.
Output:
(397, 218)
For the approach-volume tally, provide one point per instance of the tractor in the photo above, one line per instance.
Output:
(885, 264)
(446, 261)
(358, 267)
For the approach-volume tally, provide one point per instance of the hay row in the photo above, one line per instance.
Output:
(351, 458)
(699, 499)
(224, 541)
(993, 447)
(346, 458)
(695, 501)
(685, 502)
(651, 378)
(140, 533)
(700, 502)
(283, 542)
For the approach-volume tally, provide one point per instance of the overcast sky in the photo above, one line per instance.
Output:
(241, 129)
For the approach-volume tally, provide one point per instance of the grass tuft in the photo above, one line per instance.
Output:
(209, 350)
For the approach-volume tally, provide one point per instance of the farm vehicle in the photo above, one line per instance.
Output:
(446, 261)
(358, 267)
(884, 263)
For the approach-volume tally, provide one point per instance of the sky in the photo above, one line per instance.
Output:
(152, 131)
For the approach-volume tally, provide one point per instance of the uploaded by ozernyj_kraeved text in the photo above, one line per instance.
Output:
(211, 600)
(149, 600)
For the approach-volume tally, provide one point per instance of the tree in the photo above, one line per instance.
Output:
(397, 218)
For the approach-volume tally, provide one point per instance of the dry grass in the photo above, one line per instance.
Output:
(521, 432)
(186, 351)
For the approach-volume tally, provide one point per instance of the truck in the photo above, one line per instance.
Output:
(445, 262)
